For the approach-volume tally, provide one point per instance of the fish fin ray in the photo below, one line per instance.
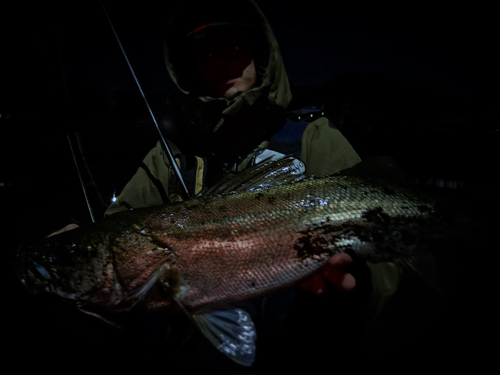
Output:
(100, 317)
(140, 292)
(423, 265)
(232, 332)
(267, 173)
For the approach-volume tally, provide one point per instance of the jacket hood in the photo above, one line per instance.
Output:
(272, 90)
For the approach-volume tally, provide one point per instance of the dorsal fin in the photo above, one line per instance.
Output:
(263, 175)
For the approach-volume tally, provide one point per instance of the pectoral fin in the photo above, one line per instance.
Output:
(232, 332)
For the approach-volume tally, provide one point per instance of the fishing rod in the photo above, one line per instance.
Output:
(164, 143)
(70, 143)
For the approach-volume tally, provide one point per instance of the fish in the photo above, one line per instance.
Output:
(250, 237)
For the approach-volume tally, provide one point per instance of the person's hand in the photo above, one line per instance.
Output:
(334, 272)
(65, 229)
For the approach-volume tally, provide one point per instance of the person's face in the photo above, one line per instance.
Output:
(225, 65)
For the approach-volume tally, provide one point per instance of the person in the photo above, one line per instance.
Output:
(230, 114)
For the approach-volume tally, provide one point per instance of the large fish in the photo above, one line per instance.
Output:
(202, 255)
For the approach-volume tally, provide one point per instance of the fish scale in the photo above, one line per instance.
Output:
(203, 255)
(263, 230)
(263, 226)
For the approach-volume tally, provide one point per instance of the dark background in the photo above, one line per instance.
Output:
(418, 83)
(415, 82)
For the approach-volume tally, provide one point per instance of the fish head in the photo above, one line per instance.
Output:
(72, 267)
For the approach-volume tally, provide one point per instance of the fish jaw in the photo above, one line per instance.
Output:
(80, 275)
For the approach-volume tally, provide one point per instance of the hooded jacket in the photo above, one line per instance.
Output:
(205, 132)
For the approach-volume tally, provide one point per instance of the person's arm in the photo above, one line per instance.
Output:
(153, 184)
(326, 151)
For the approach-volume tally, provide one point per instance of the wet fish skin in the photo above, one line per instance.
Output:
(201, 256)
(209, 252)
